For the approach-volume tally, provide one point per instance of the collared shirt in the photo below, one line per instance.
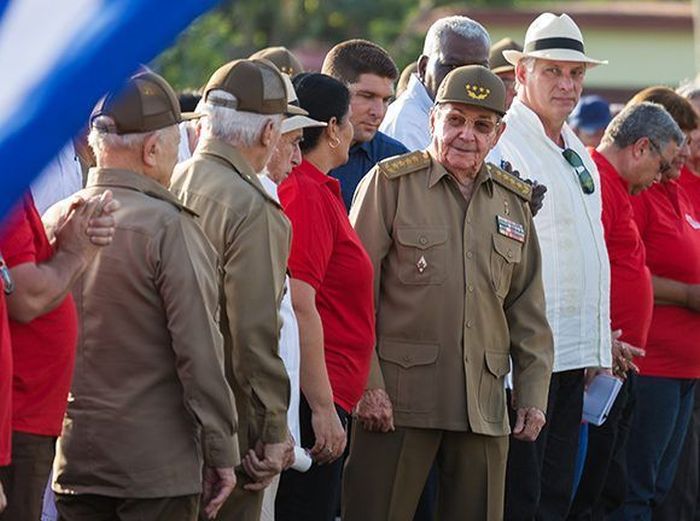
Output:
(363, 157)
(575, 264)
(251, 236)
(149, 390)
(456, 295)
(408, 118)
(670, 229)
(328, 256)
(61, 178)
(289, 339)
(631, 292)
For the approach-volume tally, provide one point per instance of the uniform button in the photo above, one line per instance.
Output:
(469, 221)
(407, 358)
(423, 240)
(469, 255)
(470, 324)
(470, 289)
(510, 254)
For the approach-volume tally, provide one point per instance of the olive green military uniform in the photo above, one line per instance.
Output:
(458, 295)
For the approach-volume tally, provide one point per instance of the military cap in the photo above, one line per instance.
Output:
(283, 59)
(497, 62)
(257, 85)
(473, 85)
(147, 103)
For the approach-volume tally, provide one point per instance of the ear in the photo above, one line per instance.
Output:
(499, 132)
(433, 117)
(150, 150)
(422, 66)
(267, 137)
(639, 146)
(333, 128)
(520, 72)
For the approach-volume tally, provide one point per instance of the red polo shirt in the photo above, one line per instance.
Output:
(327, 254)
(631, 292)
(691, 184)
(670, 229)
(5, 384)
(44, 349)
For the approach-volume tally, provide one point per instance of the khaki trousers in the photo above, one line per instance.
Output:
(385, 474)
(91, 507)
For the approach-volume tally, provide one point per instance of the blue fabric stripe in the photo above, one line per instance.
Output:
(124, 34)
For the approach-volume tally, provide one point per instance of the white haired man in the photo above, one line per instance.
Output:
(244, 103)
(149, 403)
(538, 143)
(451, 42)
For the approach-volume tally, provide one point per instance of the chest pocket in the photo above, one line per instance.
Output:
(422, 255)
(506, 253)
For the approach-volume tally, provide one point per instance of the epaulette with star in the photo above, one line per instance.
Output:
(511, 182)
(404, 164)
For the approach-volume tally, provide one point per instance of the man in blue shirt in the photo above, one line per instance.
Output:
(370, 73)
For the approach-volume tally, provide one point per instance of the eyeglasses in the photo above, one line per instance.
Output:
(485, 127)
(585, 178)
(664, 165)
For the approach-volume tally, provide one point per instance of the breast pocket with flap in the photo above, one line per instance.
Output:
(410, 374)
(506, 253)
(422, 253)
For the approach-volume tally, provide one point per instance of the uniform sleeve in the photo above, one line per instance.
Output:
(250, 269)
(532, 345)
(17, 239)
(313, 238)
(186, 280)
(372, 215)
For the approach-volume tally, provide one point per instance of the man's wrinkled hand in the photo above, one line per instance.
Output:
(375, 412)
(623, 355)
(266, 461)
(528, 423)
(217, 485)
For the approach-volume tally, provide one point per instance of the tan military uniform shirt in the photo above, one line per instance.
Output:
(457, 294)
(149, 393)
(252, 237)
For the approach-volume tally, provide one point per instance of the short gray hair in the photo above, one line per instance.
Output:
(100, 140)
(639, 120)
(241, 129)
(461, 25)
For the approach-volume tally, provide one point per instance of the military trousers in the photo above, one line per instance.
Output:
(92, 507)
(385, 474)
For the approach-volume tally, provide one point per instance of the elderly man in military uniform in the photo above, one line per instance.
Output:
(244, 103)
(459, 293)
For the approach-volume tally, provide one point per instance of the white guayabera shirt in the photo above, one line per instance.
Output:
(575, 265)
(408, 119)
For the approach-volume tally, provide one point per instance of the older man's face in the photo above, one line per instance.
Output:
(286, 156)
(454, 51)
(462, 136)
(552, 89)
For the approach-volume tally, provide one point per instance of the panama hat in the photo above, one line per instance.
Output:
(552, 37)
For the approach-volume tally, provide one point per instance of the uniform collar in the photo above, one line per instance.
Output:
(118, 178)
(437, 172)
(231, 155)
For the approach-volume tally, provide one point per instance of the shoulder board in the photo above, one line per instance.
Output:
(404, 164)
(510, 182)
(176, 204)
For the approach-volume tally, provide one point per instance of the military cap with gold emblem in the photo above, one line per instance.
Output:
(283, 59)
(497, 61)
(473, 85)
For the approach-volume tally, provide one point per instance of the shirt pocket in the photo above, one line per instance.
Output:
(410, 374)
(492, 394)
(506, 253)
(422, 253)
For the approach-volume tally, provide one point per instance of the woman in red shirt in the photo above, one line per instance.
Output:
(332, 295)
(670, 229)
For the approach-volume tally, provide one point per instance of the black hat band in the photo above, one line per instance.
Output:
(554, 43)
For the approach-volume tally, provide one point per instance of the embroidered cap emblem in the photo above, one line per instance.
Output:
(476, 92)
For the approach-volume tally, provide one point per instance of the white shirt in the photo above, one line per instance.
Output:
(289, 339)
(61, 178)
(575, 265)
(408, 118)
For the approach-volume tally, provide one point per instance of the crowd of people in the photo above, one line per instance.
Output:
(299, 296)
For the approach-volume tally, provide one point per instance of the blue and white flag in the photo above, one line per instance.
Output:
(57, 58)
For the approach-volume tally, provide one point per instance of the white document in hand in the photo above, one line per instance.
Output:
(599, 398)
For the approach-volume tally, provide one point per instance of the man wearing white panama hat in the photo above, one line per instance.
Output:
(537, 142)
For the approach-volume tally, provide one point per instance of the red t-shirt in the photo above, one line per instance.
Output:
(670, 229)
(5, 383)
(44, 349)
(327, 254)
(631, 292)
(691, 184)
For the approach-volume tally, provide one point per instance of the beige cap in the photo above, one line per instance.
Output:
(283, 59)
(296, 122)
(146, 103)
(257, 85)
(473, 85)
(497, 63)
